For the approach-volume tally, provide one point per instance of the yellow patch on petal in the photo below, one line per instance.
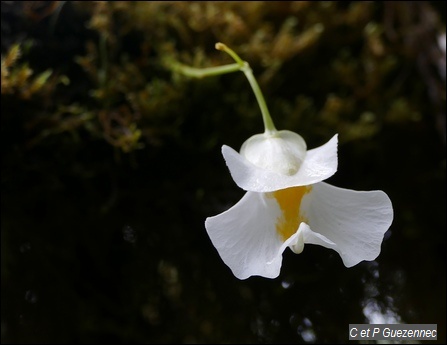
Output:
(289, 201)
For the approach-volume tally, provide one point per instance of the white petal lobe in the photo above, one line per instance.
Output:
(354, 221)
(245, 236)
(281, 152)
(319, 164)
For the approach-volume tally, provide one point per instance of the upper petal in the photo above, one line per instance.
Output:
(281, 151)
(246, 238)
(355, 221)
(319, 164)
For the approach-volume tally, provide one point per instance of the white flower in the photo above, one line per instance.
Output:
(287, 205)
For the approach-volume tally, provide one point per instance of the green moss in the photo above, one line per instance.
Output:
(313, 50)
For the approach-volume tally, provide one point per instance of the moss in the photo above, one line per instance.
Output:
(19, 79)
(359, 53)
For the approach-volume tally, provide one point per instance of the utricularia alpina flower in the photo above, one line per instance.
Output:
(287, 204)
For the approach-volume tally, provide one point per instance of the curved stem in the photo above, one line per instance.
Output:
(267, 119)
(201, 72)
(245, 67)
(224, 48)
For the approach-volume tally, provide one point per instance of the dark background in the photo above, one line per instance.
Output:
(105, 188)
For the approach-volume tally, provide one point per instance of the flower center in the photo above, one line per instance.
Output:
(289, 201)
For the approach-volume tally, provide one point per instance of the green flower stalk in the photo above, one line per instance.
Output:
(240, 65)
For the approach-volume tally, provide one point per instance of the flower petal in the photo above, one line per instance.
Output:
(281, 151)
(319, 164)
(354, 221)
(306, 235)
(246, 238)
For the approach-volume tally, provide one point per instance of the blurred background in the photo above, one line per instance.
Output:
(111, 163)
